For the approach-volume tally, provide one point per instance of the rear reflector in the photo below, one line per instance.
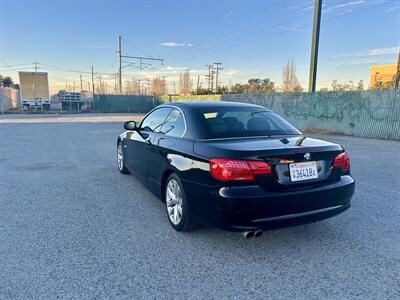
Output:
(342, 161)
(235, 170)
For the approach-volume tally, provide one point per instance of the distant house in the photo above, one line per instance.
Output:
(382, 74)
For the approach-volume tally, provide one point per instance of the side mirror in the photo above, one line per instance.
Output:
(130, 125)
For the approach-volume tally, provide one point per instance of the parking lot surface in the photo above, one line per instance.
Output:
(72, 226)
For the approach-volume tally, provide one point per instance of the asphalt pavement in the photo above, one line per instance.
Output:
(72, 226)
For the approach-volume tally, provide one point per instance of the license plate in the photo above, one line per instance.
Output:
(303, 171)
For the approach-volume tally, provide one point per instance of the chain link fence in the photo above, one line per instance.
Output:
(374, 114)
(369, 113)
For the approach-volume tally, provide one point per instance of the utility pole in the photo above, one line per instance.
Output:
(164, 91)
(147, 85)
(217, 69)
(92, 88)
(34, 86)
(174, 87)
(396, 83)
(212, 80)
(70, 102)
(120, 64)
(115, 84)
(81, 82)
(198, 84)
(314, 46)
(209, 77)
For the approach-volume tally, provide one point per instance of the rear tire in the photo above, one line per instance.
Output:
(120, 158)
(176, 204)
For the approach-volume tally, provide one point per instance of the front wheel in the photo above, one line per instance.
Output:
(120, 158)
(177, 205)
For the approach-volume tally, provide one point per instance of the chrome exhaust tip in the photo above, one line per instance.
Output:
(258, 233)
(248, 234)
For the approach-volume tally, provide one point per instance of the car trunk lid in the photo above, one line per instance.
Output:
(279, 152)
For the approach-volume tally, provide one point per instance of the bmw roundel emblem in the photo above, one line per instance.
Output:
(307, 156)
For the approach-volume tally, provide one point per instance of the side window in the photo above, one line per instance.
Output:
(154, 121)
(174, 125)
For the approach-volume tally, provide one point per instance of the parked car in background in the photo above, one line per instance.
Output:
(234, 166)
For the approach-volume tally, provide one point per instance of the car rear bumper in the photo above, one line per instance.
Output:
(251, 207)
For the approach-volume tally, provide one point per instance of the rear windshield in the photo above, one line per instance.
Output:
(244, 122)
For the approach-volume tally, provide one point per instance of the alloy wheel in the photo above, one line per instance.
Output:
(120, 157)
(174, 201)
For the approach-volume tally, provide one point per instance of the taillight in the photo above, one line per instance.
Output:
(235, 170)
(342, 161)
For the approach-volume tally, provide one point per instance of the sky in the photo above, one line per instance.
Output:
(252, 38)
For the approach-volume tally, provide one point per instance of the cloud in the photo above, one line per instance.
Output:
(342, 6)
(288, 28)
(392, 9)
(231, 72)
(369, 53)
(369, 62)
(228, 15)
(347, 4)
(175, 44)
(382, 51)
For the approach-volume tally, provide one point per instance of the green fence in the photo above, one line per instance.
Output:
(366, 113)
(124, 103)
(142, 104)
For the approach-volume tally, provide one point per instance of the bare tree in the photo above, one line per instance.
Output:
(360, 85)
(185, 83)
(128, 88)
(347, 86)
(136, 87)
(132, 87)
(290, 82)
(158, 86)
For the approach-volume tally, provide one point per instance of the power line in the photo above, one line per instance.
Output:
(135, 47)
(200, 40)
(202, 16)
(221, 36)
(216, 49)
(18, 65)
(271, 27)
(63, 69)
(279, 33)
(140, 58)
(8, 65)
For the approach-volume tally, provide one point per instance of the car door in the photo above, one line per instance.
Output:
(138, 141)
(172, 129)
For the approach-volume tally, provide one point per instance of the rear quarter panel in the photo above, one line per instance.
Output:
(176, 155)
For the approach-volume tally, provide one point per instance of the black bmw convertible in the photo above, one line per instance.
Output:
(235, 166)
